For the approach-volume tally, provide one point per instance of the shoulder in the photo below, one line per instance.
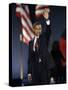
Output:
(31, 41)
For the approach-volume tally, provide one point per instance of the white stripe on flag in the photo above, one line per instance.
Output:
(25, 40)
(37, 6)
(25, 24)
(18, 9)
(26, 7)
(25, 34)
(25, 15)
(39, 11)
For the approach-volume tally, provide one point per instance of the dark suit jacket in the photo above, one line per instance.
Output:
(42, 52)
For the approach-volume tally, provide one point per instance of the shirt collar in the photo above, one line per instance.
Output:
(36, 37)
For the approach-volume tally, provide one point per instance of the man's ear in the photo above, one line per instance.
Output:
(46, 16)
(34, 31)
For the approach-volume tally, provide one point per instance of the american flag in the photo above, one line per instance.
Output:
(39, 9)
(22, 11)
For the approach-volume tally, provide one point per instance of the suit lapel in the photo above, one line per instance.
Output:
(32, 42)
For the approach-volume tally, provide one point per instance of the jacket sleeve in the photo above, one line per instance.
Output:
(46, 55)
(47, 33)
(46, 29)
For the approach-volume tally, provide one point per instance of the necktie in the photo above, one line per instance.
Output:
(37, 44)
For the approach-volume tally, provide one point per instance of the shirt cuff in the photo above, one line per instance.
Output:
(29, 74)
(48, 22)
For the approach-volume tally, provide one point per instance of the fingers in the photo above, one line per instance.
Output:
(29, 77)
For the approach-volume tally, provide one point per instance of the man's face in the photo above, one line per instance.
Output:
(46, 13)
(37, 29)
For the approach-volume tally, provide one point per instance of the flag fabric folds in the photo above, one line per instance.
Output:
(22, 11)
(39, 9)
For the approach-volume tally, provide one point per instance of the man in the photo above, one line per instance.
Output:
(40, 61)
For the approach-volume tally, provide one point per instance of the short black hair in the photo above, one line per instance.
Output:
(36, 23)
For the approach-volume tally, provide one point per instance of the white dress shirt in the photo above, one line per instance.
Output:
(48, 22)
(35, 39)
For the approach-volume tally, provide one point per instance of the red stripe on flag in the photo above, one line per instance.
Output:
(27, 12)
(25, 39)
(41, 7)
(24, 15)
(39, 15)
(27, 31)
(17, 14)
(27, 23)
(18, 5)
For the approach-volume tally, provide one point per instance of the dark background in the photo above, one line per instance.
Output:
(20, 50)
